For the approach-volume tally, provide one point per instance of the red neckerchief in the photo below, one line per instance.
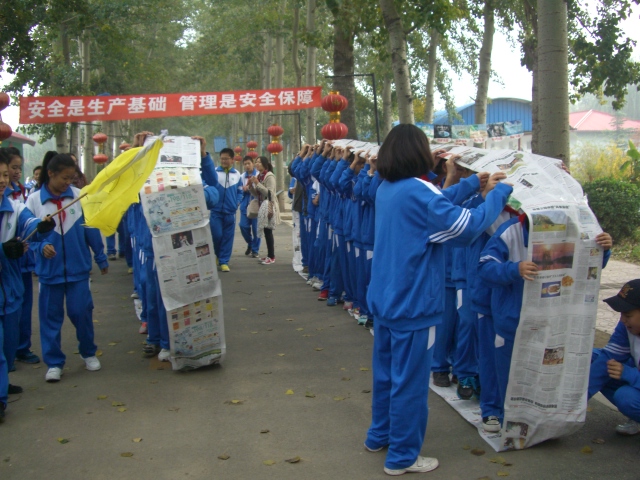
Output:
(522, 218)
(57, 201)
(262, 175)
(16, 194)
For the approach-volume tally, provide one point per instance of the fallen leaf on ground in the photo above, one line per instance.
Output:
(37, 366)
(364, 369)
(40, 408)
(345, 379)
(293, 460)
(281, 354)
(269, 329)
(310, 395)
(96, 321)
(76, 352)
(63, 440)
(131, 351)
(137, 440)
(502, 474)
(243, 309)
(254, 332)
(174, 409)
(318, 349)
(126, 454)
(306, 335)
(233, 402)
(587, 450)
(153, 381)
(289, 392)
(337, 399)
(366, 391)
(122, 409)
(466, 447)
(99, 353)
(484, 478)
(117, 404)
(598, 441)
(266, 373)
(478, 452)
(343, 369)
(299, 329)
(102, 397)
(261, 313)
(289, 319)
(499, 460)
(269, 462)
(112, 344)
(224, 456)
(264, 431)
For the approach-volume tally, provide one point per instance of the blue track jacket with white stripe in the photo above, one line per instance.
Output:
(413, 222)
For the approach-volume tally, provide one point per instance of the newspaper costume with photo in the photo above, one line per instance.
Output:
(547, 390)
(175, 209)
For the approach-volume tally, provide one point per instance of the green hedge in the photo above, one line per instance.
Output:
(616, 204)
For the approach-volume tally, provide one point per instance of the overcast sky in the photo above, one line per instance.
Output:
(505, 59)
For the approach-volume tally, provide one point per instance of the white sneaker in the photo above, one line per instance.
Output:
(317, 286)
(53, 374)
(491, 424)
(92, 364)
(629, 428)
(423, 464)
(135, 295)
(164, 355)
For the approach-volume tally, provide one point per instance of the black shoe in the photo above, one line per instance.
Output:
(247, 252)
(369, 324)
(15, 389)
(3, 407)
(441, 379)
(465, 388)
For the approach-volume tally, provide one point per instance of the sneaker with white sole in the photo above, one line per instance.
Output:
(164, 355)
(362, 319)
(490, 424)
(268, 261)
(629, 428)
(92, 364)
(317, 286)
(422, 464)
(372, 450)
(143, 330)
(53, 374)
(135, 295)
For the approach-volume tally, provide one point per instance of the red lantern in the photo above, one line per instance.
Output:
(100, 138)
(4, 100)
(100, 158)
(274, 148)
(275, 130)
(253, 154)
(238, 150)
(5, 131)
(334, 102)
(123, 146)
(238, 158)
(252, 144)
(334, 131)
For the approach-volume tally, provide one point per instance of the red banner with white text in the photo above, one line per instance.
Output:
(122, 107)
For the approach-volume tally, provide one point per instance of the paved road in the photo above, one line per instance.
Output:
(187, 420)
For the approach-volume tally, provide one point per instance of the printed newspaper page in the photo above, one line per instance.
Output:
(547, 390)
(175, 209)
(178, 152)
(196, 332)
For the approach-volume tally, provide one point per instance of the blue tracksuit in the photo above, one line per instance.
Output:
(499, 270)
(15, 220)
(248, 226)
(228, 183)
(413, 221)
(623, 347)
(66, 274)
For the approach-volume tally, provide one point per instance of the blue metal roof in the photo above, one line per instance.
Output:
(499, 110)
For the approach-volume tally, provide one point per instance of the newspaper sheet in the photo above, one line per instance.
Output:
(295, 241)
(547, 390)
(175, 209)
(196, 332)
(186, 265)
(178, 151)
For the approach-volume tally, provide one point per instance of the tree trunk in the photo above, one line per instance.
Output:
(553, 80)
(279, 163)
(266, 84)
(431, 75)
(74, 143)
(485, 64)
(343, 67)
(398, 45)
(90, 166)
(310, 76)
(386, 106)
(297, 68)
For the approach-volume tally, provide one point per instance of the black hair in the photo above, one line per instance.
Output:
(229, 151)
(266, 163)
(56, 164)
(405, 153)
(4, 156)
(45, 161)
(13, 152)
(36, 168)
(247, 157)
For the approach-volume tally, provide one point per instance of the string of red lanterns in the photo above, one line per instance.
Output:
(334, 103)
(252, 145)
(275, 131)
(100, 158)
(238, 155)
(5, 128)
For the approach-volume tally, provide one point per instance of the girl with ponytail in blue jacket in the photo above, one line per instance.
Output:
(413, 221)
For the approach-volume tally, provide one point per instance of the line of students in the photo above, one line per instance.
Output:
(462, 279)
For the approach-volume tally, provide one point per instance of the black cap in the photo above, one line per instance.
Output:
(628, 297)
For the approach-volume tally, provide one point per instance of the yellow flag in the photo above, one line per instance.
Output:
(117, 186)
